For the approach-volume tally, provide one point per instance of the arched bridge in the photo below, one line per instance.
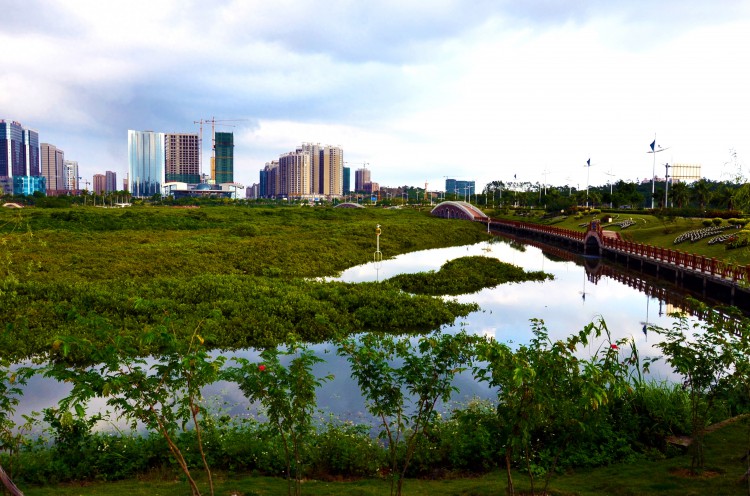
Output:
(459, 210)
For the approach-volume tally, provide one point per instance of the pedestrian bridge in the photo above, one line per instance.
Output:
(723, 280)
(459, 210)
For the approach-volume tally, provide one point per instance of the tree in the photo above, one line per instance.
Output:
(11, 383)
(546, 393)
(741, 198)
(164, 392)
(701, 193)
(402, 382)
(680, 194)
(724, 196)
(711, 357)
(494, 191)
(288, 395)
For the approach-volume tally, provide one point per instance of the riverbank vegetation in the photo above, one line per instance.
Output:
(247, 276)
(661, 228)
(465, 275)
(566, 412)
(134, 309)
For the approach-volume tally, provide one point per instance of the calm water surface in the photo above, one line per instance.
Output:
(566, 304)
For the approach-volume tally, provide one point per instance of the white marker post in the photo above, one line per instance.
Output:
(377, 257)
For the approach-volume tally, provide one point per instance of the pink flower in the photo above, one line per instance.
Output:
(262, 367)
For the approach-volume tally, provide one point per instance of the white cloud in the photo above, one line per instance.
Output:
(418, 90)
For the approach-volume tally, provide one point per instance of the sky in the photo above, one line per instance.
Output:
(415, 90)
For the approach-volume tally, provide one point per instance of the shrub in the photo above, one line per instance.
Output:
(716, 221)
(707, 222)
(245, 230)
(344, 449)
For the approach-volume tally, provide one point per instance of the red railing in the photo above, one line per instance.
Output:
(689, 261)
(552, 230)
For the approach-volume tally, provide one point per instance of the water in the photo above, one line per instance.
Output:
(566, 304)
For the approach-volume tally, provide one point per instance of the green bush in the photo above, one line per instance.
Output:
(344, 449)
(707, 222)
(245, 230)
(716, 221)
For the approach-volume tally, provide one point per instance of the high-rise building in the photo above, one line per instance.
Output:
(331, 169)
(347, 180)
(71, 174)
(182, 160)
(145, 163)
(222, 169)
(100, 184)
(110, 182)
(295, 174)
(361, 178)
(19, 151)
(269, 179)
(461, 189)
(28, 185)
(316, 174)
(53, 166)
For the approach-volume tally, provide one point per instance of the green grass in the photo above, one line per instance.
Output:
(668, 477)
(651, 230)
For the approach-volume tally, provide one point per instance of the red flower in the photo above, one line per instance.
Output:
(261, 367)
(614, 347)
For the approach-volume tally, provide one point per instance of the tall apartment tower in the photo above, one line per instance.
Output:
(53, 166)
(295, 174)
(145, 163)
(222, 168)
(269, 179)
(182, 160)
(71, 174)
(19, 150)
(110, 181)
(347, 175)
(361, 177)
(316, 179)
(100, 184)
(332, 171)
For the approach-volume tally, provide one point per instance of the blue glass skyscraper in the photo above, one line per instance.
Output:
(19, 150)
(146, 161)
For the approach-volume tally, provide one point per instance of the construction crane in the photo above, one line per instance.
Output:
(214, 122)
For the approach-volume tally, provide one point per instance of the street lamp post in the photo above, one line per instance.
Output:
(588, 172)
(610, 186)
(666, 184)
(653, 176)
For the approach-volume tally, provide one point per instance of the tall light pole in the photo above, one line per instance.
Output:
(653, 175)
(588, 172)
(610, 186)
(666, 183)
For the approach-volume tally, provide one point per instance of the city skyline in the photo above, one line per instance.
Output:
(482, 91)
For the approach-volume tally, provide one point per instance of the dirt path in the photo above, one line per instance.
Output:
(687, 440)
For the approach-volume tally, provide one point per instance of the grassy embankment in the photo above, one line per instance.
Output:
(651, 230)
(665, 477)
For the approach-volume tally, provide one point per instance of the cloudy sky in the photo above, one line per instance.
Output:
(418, 89)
